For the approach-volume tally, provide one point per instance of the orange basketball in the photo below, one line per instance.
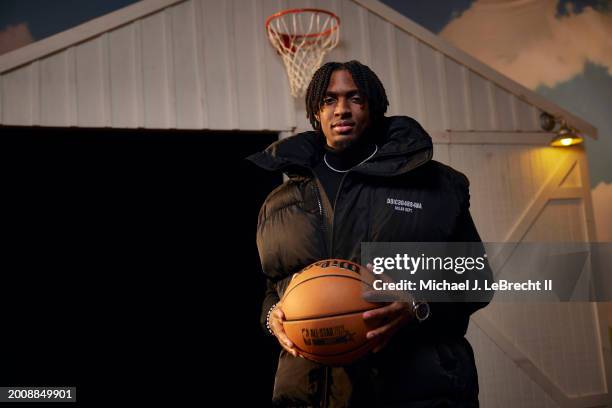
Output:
(323, 309)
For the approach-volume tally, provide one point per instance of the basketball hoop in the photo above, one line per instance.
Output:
(302, 37)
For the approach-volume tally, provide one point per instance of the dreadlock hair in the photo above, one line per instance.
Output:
(366, 80)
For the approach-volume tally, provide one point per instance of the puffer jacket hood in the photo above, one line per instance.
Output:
(403, 145)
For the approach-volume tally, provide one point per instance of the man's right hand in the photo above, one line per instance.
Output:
(276, 324)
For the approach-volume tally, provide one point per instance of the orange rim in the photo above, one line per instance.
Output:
(298, 10)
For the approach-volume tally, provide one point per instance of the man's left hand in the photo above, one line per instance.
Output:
(388, 320)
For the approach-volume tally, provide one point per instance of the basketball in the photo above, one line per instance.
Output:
(323, 309)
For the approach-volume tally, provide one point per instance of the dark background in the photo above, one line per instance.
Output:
(130, 265)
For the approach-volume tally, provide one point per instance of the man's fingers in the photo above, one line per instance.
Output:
(370, 295)
(278, 314)
(286, 343)
(279, 331)
(384, 329)
(289, 347)
(276, 323)
(289, 350)
(282, 337)
(382, 345)
(381, 312)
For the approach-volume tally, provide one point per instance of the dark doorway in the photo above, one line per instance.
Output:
(134, 252)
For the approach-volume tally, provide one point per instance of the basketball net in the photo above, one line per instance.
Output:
(302, 37)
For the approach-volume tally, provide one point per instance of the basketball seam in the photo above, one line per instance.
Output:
(367, 343)
(325, 276)
(327, 315)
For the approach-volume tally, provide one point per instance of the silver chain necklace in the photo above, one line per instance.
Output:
(357, 165)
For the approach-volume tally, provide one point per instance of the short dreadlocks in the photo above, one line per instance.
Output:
(366, 80)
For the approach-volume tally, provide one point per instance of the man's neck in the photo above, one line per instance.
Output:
(350, 156)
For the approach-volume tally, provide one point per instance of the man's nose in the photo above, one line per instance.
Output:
(342, 108)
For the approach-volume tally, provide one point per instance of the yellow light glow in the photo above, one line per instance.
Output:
(564, 140)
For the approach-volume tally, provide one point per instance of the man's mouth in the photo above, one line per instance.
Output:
(343, 127)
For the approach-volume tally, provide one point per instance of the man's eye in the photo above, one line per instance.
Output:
(357, 99)
(327, 101)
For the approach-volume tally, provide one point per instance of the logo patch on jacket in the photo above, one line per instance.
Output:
(403, 205)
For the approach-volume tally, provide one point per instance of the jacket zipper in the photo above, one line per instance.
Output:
(330, 254)
(323, 217)
(331, 251)
(328, 246)
(324, 405)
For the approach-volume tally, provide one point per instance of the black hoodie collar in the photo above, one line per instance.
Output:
(403, 145)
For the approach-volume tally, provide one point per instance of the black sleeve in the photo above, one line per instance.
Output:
(274, 291)
(270, 298)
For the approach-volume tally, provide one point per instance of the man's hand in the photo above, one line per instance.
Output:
(386, 320)
(276, 324)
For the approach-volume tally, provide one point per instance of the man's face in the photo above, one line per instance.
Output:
(344, 115)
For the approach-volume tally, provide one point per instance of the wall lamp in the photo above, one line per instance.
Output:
(566, 135)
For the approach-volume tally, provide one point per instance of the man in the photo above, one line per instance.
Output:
(340, 177)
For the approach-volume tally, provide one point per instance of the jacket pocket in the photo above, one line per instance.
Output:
(298, 382)
(447, 358)
(457, 361)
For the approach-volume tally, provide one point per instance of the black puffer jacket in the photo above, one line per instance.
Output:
(425, 365)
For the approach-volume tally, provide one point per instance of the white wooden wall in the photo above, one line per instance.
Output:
(421, 81)
(206, 64)
(534, 355)
(201, 64)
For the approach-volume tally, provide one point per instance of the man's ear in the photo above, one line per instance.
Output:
(317, 117)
